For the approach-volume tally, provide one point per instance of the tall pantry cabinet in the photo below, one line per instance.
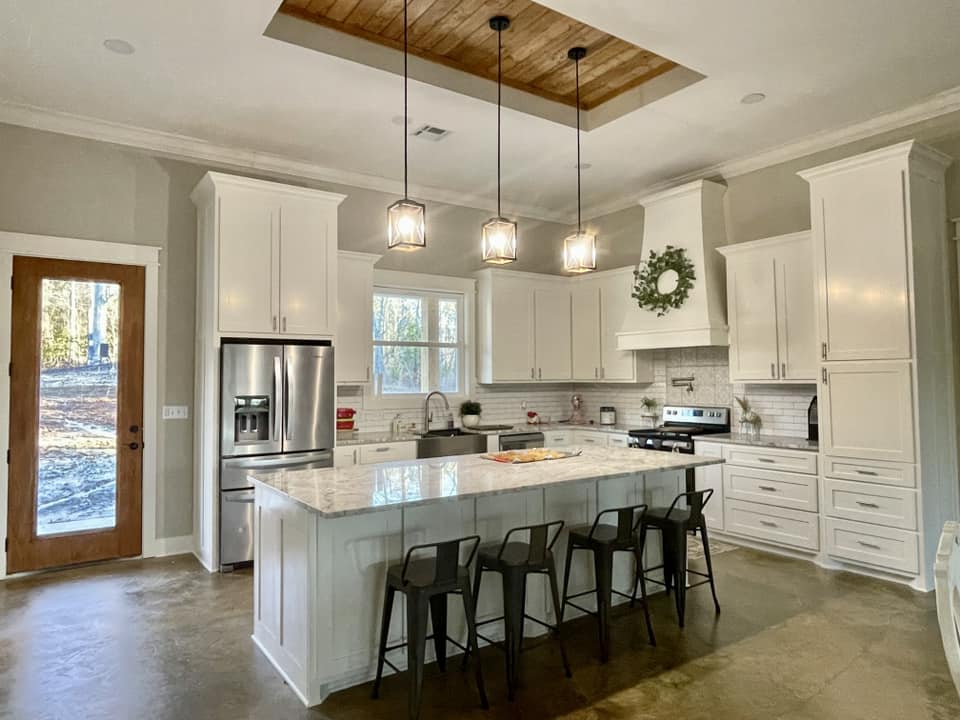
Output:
(266, 270)
(888, 428)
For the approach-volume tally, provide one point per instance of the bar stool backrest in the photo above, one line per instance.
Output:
(696, 501)
(447, 558)
(628, 520)
(541, 540)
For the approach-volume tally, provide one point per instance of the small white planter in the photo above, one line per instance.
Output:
(470, 421)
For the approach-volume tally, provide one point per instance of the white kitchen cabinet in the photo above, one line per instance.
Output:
(354, 346)
(616, 303)
(620, 440)
(556, 438)
(867, 411)
(587, 341)
(591, 438)
(387, 452)
(552, 334)
(274, 269)
(771, 310)
(505, 325)
(346, 456)
(711, 478)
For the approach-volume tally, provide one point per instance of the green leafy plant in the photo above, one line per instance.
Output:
(647, 274)
(649, 405)
(470, 407)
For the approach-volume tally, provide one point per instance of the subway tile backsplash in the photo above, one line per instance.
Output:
(782, 408)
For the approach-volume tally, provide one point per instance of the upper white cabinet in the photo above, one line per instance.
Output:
(268, 256)
(771, 310)
(552, 333)
(354, 347)
(544, 328)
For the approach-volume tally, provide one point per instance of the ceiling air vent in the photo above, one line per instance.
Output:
(431, 133)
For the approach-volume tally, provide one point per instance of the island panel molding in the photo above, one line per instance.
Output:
(457, 35)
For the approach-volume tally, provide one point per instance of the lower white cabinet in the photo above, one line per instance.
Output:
(346, 456)
(620, 440)
(590, 438)
(711, 478)
(865, 502)
(792, 528)
(770, 487)
(387, 452)
(881, 547)
(556, 438)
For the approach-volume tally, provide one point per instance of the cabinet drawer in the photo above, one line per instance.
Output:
(882, 547)
(883, 473)
(617, 440)
(591, 438)
(371, 454)
(771, 487)
(556, 439)
(883, 505)
(793, 528)
(800, 462)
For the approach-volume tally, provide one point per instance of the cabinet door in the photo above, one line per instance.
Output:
(615, 304)
(796, 308)
(552, 334)
(586, 333)
(308, 266)
(354, 318)
(861, 253)
(511, 318)
(752, 312)
(867, 411)
(711, 477)
(248, 250)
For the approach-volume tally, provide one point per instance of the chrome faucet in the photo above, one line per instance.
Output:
(428, 416)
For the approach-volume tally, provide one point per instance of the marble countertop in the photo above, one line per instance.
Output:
(338, 492)
(346, 439)
(783, 442)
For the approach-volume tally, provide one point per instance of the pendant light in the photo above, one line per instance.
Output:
(579, 248)
(406, 219)
(499, 235)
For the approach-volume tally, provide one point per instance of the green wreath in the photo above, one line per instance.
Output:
(646, 275)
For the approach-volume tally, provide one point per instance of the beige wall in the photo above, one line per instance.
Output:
(57, 185)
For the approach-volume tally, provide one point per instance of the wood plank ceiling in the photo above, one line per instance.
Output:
(456, 33)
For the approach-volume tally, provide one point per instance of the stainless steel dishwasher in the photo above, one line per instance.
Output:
(521, 440)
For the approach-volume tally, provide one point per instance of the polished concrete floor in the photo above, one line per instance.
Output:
(163, 639)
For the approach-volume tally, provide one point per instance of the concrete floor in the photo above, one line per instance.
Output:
(163, 639)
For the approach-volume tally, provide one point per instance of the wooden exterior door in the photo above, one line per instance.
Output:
(76, 413)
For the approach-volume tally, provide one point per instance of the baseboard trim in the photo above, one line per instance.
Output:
(179, 545)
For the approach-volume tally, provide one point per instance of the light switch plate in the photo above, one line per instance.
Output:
(176, 412)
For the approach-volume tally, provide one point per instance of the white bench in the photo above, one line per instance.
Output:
(947, 578)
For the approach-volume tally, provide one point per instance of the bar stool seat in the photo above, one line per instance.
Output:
(426, 582)
(674, 524)
(515, 561)
(603, 540)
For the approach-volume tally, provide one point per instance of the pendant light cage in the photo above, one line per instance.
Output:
(406, 219)
(498, 235)
(579, 248)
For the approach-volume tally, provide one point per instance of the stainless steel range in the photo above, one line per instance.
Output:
(679, 425)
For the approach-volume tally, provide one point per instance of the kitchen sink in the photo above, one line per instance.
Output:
(441, 443)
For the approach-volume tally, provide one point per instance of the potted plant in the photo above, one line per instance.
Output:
(649, 406)
(470, 413)
(749, 420)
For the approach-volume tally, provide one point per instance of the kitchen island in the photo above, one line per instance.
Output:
(324, 538)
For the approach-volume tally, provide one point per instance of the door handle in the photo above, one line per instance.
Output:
(823, 351)
(773, 370)
(783, 371)
(286, 401)
(277, 395)
(539, 373)
(284, 324)
(823, 375)
(274, 324)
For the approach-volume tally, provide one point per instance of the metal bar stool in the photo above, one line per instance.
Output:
(515, 561)
(674, 523)
(603, 541)
(426, 582)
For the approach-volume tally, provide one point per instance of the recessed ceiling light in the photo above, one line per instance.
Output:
(118, 46)
(753, 98)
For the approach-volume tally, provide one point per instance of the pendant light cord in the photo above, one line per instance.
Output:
(499, 81)
(577, 66)
(405, 133)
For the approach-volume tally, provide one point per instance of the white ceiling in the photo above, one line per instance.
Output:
(204, 70)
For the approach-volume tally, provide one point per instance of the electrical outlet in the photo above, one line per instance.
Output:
(176, 412)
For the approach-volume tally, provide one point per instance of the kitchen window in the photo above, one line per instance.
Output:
(418, 342)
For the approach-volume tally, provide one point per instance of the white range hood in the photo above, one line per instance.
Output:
(688, 217)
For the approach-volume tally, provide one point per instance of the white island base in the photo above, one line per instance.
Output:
(319, 579)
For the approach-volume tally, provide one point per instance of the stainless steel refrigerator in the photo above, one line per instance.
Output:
(276, 412)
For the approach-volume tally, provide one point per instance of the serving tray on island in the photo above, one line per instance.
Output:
(517, 457)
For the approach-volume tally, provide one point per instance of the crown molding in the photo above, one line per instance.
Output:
(190, 149)
(934, 106)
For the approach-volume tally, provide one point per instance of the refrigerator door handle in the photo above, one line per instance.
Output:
(278, 396)
(286, 403)
(242, 496)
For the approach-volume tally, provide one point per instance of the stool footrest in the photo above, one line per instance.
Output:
(582, 609)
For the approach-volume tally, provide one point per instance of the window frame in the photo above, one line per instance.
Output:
(435, 288)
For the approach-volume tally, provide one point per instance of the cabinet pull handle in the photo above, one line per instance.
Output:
(532, 375)
(862, 503)
(603, 373)
(773, 370)
(823, 375)
(823, 351)
(869, 473)
(766, 460)
(868, 545)
(284, 324)
(768, 488)
(783, 371)
(368, 373)
(596, 373)
(768, 523)
(539, 373)
(274, 323)
(382, 449)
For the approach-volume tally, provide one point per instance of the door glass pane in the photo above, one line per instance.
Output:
(77, 470)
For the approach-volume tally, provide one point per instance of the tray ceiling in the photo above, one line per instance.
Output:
(455, 33)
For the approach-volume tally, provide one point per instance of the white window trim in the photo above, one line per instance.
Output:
(419, 282)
